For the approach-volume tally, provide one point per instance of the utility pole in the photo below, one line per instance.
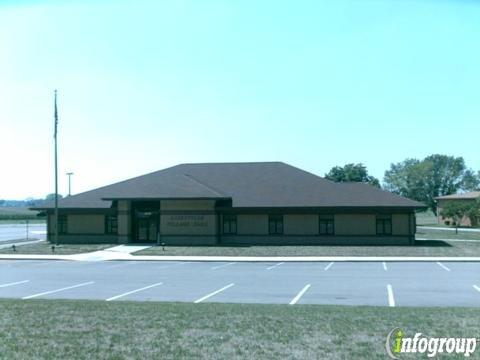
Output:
(56, 172)
(69, 174)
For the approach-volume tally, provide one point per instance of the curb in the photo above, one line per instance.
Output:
(74, 257)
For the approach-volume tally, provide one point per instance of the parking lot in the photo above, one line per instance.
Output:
(10, 232)
(344, 283)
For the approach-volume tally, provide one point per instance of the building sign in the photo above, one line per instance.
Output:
(187, 221)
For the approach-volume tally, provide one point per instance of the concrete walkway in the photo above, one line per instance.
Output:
(449, 240)
(106, 255)
(121, 252)
(475, 230)
(9, 245)
(124, 253)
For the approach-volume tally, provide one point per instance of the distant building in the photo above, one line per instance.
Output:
(235, 203)
(466, 197)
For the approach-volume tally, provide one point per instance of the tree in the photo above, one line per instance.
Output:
(457, 210)
(471, 181)
(436, 175)
(474, 213)
(352, 173)
(407, 179)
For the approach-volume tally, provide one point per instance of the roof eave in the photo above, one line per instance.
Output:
(167, 198)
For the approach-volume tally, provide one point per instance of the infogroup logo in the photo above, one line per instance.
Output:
(397, 343)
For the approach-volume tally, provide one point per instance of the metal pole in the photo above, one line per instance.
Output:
(69, 174)
(56, 174)
(27, 229)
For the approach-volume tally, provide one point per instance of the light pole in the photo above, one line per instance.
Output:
(69, 174)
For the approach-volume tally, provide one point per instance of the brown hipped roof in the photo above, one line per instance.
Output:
(248, 185)
(467, 195)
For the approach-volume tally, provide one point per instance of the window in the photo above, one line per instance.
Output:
(275, 224)
(327, 225)
(229, 224)
(111, 224)
(62, 224)
(384, 225)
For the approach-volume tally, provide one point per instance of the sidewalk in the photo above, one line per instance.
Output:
(124, 253)
(475, 230)
(9, 245)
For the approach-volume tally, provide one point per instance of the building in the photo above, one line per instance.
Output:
(464, 197)
(235, 203)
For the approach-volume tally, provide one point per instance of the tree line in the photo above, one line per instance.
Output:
(29, 202)
(421, 180)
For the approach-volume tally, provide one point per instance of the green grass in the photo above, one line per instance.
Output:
(447, 235)
(45, 248)
(426, 218)
(421, 248)
(56, 329)
(437, 246)
(17, 213)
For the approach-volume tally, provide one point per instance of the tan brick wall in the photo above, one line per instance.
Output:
(86, 224)
(124, 220)
(188, 224)
(252, 224)
(355, 224)
(400, 224)
(305, 224)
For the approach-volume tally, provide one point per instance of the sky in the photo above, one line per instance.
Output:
(144, 85)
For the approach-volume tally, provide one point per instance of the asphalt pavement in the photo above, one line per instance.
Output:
(343, 283)
(20, 231)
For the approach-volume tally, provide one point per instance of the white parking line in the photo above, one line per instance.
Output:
(213, 293)
(57, 290)
(127, 263)
(328, 266)
(221, 266)
(476, 288)
(132, 292)
(442, 266)
(385, 266)
(14, 283)
(274, 266)
(117, 263)
(299, 295)
(391, 299)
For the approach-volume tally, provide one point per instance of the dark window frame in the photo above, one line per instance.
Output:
(329, 225)
(383, 225)
(62, 224)
(230, 222)
(111, 224)
(275, 225)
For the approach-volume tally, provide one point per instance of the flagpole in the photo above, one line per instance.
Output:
(56, 172)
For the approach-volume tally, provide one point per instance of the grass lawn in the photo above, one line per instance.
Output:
(16, 213)
(437, 246)
(46, 249)
(64, 329)
(426, 218)
(447, 235)
(421, 248)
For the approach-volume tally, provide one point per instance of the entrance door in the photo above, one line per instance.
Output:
(145, 221)
(146, 227)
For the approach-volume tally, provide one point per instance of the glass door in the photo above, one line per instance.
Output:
(146, 227)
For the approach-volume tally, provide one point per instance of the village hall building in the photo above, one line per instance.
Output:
(263, 203)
